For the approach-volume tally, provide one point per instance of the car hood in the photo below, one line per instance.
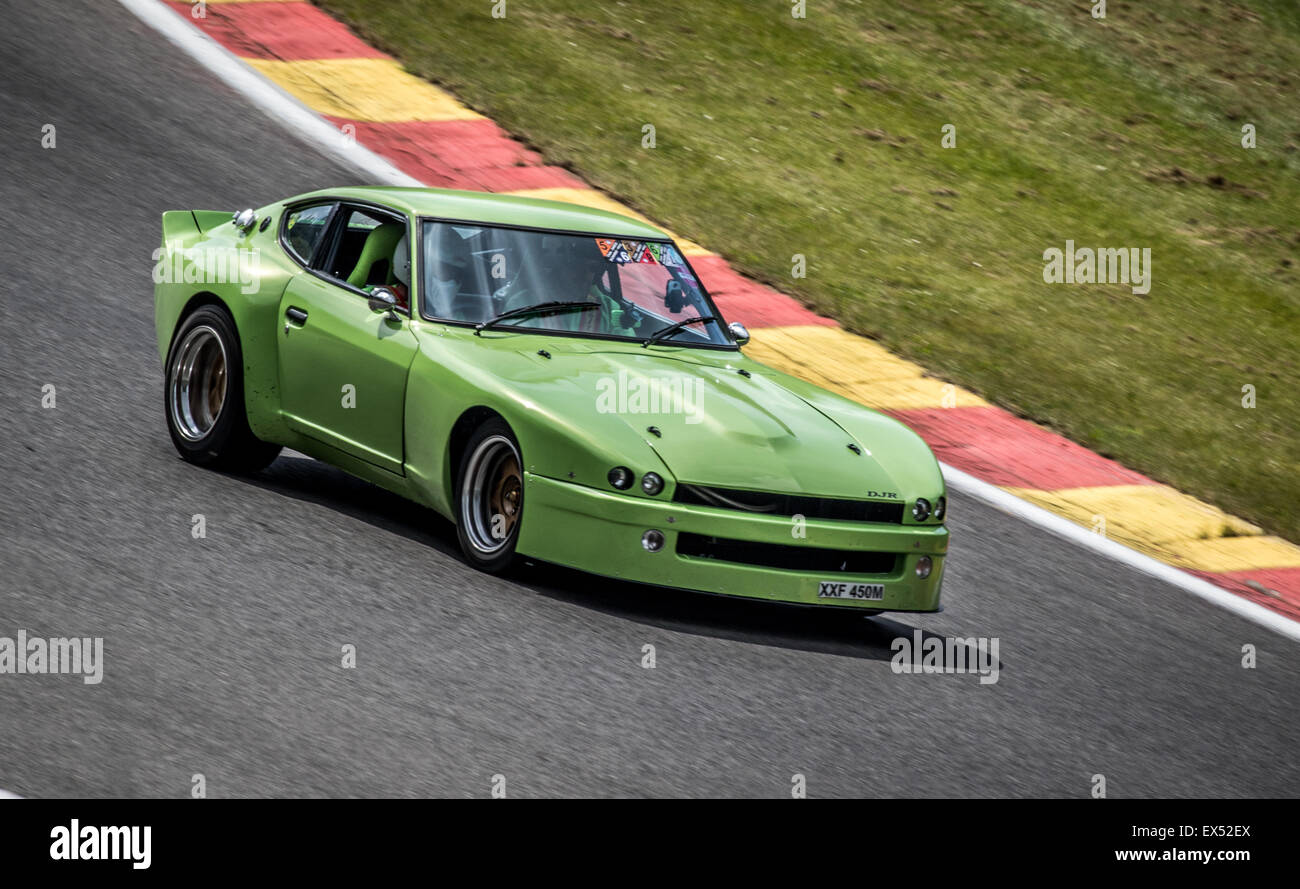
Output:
(717, 426)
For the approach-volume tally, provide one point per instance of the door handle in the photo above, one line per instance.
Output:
(296, 315)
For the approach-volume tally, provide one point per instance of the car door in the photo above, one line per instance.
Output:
(343, 366)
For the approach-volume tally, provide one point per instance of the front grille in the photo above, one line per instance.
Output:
(791, 504)
(781, 555)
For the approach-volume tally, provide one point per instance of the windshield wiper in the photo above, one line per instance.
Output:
(539, 309)
(673, 328)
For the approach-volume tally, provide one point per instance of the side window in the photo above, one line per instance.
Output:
(353, 235)
(304, 230)
(364, 253)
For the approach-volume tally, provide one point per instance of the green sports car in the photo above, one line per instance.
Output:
(553, 379)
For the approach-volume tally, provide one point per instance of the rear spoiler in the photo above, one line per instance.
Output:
(181, 225)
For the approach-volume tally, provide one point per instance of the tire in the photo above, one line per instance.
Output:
(203, 396)
(490, 483)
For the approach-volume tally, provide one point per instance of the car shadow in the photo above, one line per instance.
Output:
(800, 628)
(312, 481)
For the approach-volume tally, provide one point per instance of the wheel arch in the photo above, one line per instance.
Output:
(227, 441)
(469, 420)
(196, 302)
(260, 369)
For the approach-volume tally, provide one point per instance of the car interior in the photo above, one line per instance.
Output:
(369, 253)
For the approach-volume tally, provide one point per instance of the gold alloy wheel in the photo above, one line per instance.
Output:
(196, 383)
(492, 495)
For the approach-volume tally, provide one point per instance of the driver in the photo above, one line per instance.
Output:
(574, 274)
(449, 271)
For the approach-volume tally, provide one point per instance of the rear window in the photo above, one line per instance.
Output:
(304, 230)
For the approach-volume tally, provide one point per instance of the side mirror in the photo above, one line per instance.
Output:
(738, 333)
(382, 299)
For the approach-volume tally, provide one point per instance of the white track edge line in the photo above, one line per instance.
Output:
(307, 125)
(1113, 549)
(279, 105)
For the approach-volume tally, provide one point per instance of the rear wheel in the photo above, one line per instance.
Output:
(490, 497)
(204, 394)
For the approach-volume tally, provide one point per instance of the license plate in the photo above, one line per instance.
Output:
(837, 589)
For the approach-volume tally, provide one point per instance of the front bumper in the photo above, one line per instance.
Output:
(600, 532)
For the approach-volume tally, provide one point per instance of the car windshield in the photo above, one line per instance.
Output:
(637, 288)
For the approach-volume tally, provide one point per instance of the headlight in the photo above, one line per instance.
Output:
(923, 566)
(651, 483)
(652, 540)
(940, 507)
(921, 509)
(621, 477)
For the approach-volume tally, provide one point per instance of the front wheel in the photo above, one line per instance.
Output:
(490, 497)
(205, 396)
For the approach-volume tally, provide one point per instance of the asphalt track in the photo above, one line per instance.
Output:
(222, 655)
